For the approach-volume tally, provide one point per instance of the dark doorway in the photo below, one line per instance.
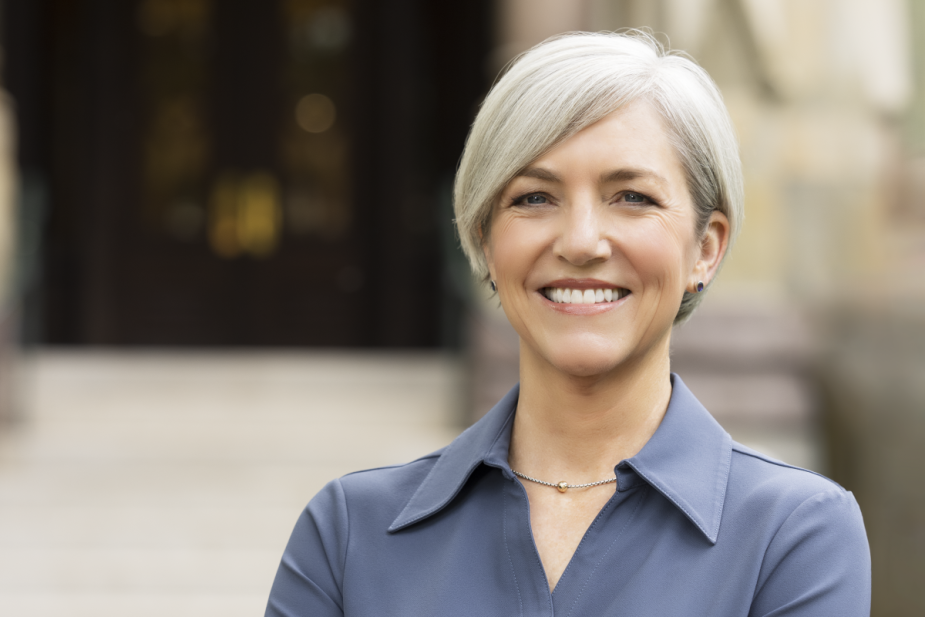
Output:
(251, 172)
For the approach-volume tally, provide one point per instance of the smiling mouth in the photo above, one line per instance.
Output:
(564, 295)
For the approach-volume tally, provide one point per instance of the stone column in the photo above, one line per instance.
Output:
(8, 224)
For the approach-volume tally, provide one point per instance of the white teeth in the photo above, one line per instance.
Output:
(564, 295)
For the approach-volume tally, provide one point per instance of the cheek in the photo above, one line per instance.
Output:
(512, 247)
(658, 251)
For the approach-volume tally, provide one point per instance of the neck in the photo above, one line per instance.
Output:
(579, 428)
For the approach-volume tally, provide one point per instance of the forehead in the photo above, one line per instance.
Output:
(629, 142)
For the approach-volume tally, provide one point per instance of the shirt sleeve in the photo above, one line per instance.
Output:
(818, 562)
(309, 581)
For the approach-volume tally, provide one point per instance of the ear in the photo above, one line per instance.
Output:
(713, 246)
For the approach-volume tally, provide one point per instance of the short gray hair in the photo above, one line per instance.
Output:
(570, 82)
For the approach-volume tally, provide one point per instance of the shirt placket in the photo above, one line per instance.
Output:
(520, 550)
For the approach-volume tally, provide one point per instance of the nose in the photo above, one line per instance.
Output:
(582, 239)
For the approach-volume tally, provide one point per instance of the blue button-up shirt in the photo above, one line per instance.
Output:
(698, 525)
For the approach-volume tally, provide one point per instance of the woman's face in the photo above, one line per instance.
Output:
(594, 243)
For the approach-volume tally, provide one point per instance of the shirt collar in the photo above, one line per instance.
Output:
(686, 460)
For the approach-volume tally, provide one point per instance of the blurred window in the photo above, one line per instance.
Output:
(185, 193)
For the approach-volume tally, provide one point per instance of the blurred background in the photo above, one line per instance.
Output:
(228, 271)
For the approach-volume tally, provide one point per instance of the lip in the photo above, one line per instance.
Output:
(584, 309)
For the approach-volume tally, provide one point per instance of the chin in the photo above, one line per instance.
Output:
(586, 364)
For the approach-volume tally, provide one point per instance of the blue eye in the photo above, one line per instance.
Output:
(635, 198)
(533, 199)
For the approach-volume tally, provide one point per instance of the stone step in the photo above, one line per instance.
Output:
(159, 483)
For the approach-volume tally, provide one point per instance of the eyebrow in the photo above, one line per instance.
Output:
(539, 173)
(622, 175)
(618, 175)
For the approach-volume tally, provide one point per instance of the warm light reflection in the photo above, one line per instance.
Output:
(315, 113)
(314, 140)
(245, 215)
(259, 214)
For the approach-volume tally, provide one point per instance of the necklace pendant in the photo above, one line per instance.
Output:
(562, 487)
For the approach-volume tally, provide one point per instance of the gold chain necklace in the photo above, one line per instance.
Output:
(563, 486)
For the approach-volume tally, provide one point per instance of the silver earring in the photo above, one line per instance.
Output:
(493, 286)
(699, 286)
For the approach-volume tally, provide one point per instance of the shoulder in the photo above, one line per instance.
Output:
(789, 507)
(773, 491)
(808, 529)
(390, 483)
(759, 473)
(372, 497)
(358, 506)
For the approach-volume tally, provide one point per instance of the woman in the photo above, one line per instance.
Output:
(598, 193)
